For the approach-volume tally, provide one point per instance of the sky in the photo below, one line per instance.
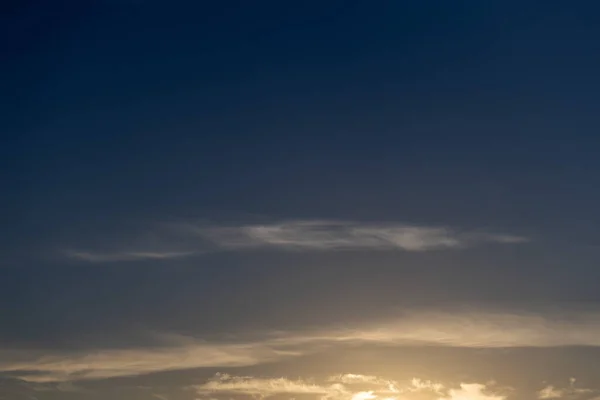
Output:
(315, 200)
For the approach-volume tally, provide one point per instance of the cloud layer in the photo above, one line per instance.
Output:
(473, 330)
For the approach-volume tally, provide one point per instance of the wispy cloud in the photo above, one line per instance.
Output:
(109, 363)
(550, 392)
(225, 383)
(472, 391)
(357, 379)
(420, 384)
(339, 387)
(340, 235)
(126, 255)
(305, 235)
(472, 330)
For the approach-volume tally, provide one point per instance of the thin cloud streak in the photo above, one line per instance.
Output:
(110, 363)
(342, 235)
(126, 256)
(471, 330)
(307, 235)
(358, 379)
(257, 387)
(480, 330)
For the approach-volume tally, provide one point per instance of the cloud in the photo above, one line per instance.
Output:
(109, 363)
(307, 235)
(352, 379)
(549, 392)
(342, 235)
(367, 395)
(336, 388)
(476, 330)
(339, 388)
(224, 383)
(571, 392)
(382, 386)
(471, 391)
(126, 255)
(459, 329)
(356, 378)
(419, 384)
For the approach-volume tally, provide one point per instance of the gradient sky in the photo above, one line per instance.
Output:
(310, 200)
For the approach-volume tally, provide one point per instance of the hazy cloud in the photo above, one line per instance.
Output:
(108, 363)
(472, 391)
(307, 235)
(125, 256)
(340, 235)
(341, 388)
(571, 392)
(224, 383)
(550, 392)
(475, 330)
(479, 329)
(419, 384)
(353, 379)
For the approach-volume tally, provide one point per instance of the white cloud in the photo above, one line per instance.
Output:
(471, 391)
(419, 384)
(341, 389)
(337, 388)
(550, 392)
(224, 383)
(571, 392)
(356, 378)
(340, 235)
(366, 395)
(384, 385)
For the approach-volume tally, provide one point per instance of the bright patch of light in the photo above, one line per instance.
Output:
(364, 395)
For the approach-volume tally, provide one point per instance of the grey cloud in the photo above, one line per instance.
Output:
(126, 255)
(340, 235)
(184, 240)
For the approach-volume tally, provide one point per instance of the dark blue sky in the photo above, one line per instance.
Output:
(208, 169)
